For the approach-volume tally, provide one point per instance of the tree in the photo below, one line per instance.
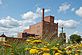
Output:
(75, 38)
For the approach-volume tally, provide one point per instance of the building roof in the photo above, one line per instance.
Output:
(3, 35)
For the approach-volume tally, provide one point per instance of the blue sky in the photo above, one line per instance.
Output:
(17, 15)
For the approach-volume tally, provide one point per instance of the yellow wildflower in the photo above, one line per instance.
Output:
(28, 40)
(74, 46)
(48, 44)
(80, 45)
(76, 54)
(34, 51)
(58, 44)
(78, 50)
(55, 48)
(45, 49)
(65, 48)
(68, 52)
(34, 47)
(59, 51)
(46, 53)
(37, 41)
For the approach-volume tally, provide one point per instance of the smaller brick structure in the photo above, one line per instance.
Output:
(3, 37)
(63, 36)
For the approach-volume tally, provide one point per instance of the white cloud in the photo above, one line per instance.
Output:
(29, 15)
(12, 31)
(11, 26)
(47, 10)
(79, 12)
(9, 22)
(15, 31)
(77, 32)
(67, 23)
(40, 10)
(64, 7)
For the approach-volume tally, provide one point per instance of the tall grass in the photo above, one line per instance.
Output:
(34, 46)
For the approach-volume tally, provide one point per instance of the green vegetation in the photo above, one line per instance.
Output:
(75, 38)
(34, 46)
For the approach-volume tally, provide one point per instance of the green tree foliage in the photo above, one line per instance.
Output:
(75, 38)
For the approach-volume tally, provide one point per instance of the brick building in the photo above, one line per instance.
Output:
(3, 37)
(45, 28)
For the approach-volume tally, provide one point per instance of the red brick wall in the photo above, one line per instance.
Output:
(26, 31)
(49, 19)
(44, 28)
(50, 28)
(36, 29)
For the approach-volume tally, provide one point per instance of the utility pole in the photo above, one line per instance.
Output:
(62, 31)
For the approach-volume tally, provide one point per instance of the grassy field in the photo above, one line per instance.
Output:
(34, 46)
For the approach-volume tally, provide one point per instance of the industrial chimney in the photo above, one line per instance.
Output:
(43, 14)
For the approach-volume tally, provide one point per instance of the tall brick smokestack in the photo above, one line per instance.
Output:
(43, 14)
